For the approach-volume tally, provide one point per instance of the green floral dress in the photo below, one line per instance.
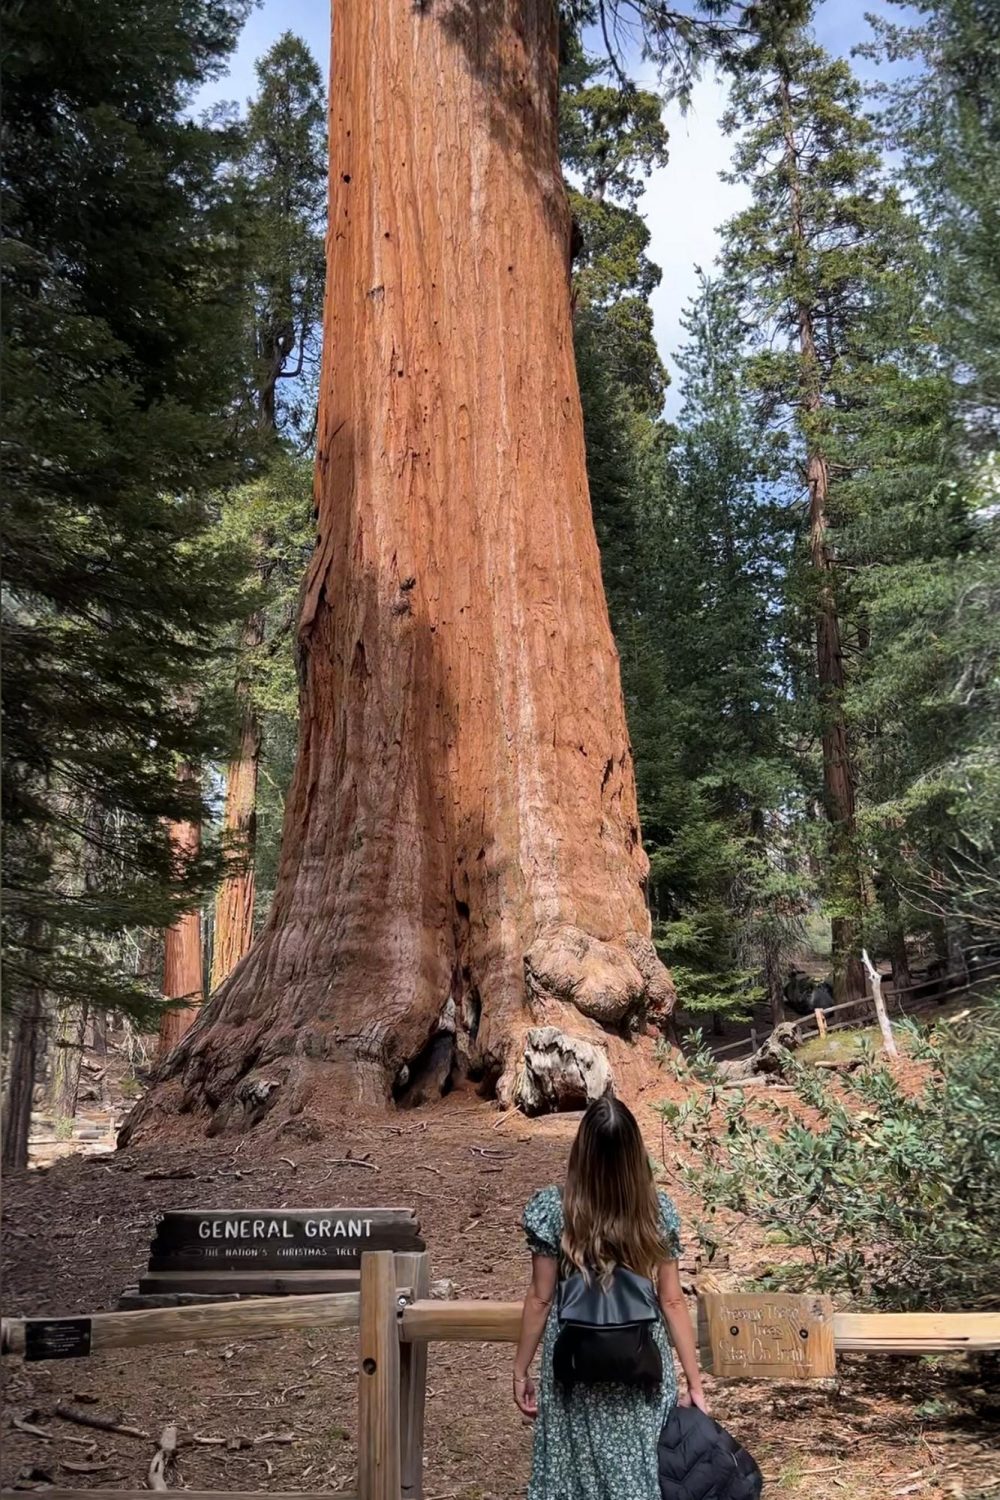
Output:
(599, 1442)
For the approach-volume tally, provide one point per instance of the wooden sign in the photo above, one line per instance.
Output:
(225, 1253)
(764, 1336)
(56, 1338)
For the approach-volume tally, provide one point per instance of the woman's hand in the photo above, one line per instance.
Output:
(694, 1398)
(526, 1396)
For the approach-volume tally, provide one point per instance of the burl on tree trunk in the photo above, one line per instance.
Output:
(462, 880)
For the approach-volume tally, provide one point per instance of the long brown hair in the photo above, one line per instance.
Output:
(611, 1216)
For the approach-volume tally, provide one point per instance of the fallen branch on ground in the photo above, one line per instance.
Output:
(50, 1437)
(103, 1424)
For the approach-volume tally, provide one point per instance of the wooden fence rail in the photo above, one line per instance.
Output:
(424, 1320)
(848, 1014)
(53, 1494)
(211, 1320)
(395, 1326)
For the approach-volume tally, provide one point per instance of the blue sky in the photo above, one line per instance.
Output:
(684, 201)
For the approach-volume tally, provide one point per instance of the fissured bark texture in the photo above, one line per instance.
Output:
(461, 864)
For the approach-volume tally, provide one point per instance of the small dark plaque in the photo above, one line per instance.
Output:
(56, 1338)
(280, 1239)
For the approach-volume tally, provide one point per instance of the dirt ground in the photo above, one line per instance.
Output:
(75, 1236)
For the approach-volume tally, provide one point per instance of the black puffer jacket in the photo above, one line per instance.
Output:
(698, 1460)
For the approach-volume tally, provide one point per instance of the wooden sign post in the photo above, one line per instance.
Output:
(198, 1255)
(764, 1336)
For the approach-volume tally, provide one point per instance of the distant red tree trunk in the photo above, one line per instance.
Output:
(234, 904)
(462, 880)
(182, 955)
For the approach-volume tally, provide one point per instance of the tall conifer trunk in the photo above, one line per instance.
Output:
(182, 955)
(462, 880)
(843, 877)
(234, 903)
(27, 1044)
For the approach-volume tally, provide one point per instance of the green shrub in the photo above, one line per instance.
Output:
(893, 1194)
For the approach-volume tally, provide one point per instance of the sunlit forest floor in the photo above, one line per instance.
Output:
(76, 1235)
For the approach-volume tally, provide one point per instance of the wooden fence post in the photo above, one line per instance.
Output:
(412, 1270)
(378, 1380)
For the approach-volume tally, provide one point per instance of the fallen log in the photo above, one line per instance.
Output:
(771, 1057)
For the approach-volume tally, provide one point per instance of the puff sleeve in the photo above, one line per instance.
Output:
(542, 1222)
(670, 1223)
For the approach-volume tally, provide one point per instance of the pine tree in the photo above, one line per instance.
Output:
(931, 685)
(283, 174)
(944, 117)
(610, 139)
(726, 886)
(270, 519)
(816, 263)
(121, 355)
(283, 179)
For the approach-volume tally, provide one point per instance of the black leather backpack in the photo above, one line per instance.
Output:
(606, 1334)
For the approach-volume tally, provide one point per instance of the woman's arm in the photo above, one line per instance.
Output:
(534, 1316)
(675, 1310)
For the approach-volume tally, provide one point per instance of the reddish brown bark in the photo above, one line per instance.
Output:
(234, 903)
(462, 881)
(27, 1043)
(843, 873)
(182, 957)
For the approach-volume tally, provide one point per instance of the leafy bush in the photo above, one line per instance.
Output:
(893, 1193)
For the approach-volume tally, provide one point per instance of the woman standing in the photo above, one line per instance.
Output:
(599, 1441)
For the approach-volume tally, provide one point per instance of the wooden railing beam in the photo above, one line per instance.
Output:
(210, 1320)
(872, 1333)
(52, 1494)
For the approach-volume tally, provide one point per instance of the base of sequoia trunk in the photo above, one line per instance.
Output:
(298, 1101)
(586, 1003)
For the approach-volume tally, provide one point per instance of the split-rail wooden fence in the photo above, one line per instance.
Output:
(911, 1002)
(396, 1320)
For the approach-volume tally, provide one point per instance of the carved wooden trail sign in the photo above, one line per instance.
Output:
(287, 1238)
(764, 1336)
(202, 1254)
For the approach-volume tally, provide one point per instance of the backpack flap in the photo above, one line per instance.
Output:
(630, 1298)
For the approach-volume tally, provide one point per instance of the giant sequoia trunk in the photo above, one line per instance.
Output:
(462, 881)
(182, 957)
